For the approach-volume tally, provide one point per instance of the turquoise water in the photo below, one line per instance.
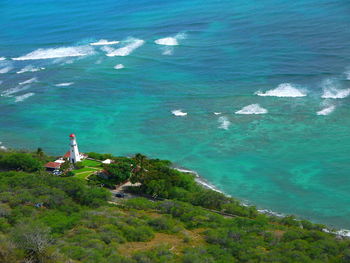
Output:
(288, 159)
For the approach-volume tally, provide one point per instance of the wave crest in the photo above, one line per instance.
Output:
(64, 84)
(284, 90)
(60, 52)
(131, 45)
(28, 81)
(103, 42)
(179, 113)
(252, 109)
(224, 123)
(29, 68)
(326, 111)
(6, 69)
(23, 97)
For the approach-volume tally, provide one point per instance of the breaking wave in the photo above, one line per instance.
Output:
(2, 58)
(64, 84)
(28, 81)
(60, 52)
(131, 45)
(29, 68)
(103, 42)
(10, 92)
(326, 111)
(284, 90)
(334, 93)
(23, 97)
(170, 41)
(119, 66)
(179, 113)
(224, 123)
(6, 69)
(252, 109)
(167, 50)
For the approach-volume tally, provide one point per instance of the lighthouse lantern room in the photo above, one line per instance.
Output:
(74, 152)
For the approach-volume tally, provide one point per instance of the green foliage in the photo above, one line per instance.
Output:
(19, 161)
(118, 172)
(45, 218)
(79, 165)
(68, 174)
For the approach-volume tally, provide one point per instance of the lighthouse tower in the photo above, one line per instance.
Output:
(74, 152)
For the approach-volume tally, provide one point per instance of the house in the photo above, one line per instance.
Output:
(52, 166)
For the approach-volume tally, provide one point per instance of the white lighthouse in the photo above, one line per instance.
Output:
(74, 152)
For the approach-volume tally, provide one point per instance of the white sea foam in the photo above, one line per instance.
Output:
(10, 92)
(167, 41)
(217, 113)
(326, 111)
(119, 66)
(2, 147)
(60, 52)
(270, 212)
(64, 84)
(284, 90)
(332, 89)
(107, 49)
(5, 69)
(131, 45)
(23, 97)
(103, 42)
(252, 109)
(29, 68)
(347, 73)
(2, 58)
(224, 123)
(179, 113)
(170, 41)
(199, 180)
(28, 81)
(167, 50)
(334, 93)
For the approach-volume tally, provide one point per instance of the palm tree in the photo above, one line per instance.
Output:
(40, 153)
(139, 170)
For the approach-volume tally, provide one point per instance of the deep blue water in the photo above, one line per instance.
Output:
(288, 158)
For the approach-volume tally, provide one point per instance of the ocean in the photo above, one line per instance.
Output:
(253, 95)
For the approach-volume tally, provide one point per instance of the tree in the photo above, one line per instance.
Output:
(79, 165)
(40, 153)
(139, 170)
(20, 161)
(65, 166)
(34, 238)
(118, 172)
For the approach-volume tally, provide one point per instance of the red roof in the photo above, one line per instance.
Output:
(72, 135)
(52, 165)
(67, 155)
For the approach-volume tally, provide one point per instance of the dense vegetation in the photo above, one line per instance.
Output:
(48, 218)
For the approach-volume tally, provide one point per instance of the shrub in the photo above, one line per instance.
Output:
(79, 165)
(19, 161)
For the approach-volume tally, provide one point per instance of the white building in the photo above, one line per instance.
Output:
(74, 152)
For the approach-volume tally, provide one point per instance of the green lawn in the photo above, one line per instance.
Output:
(91, 163)
(90, 168)
(85, 169)
(83, 175)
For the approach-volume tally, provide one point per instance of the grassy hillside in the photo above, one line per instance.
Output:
(47, 218)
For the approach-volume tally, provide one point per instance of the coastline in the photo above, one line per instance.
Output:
(203, 182)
